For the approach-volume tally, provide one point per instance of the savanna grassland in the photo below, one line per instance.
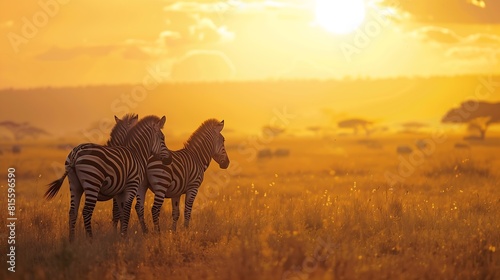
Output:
(326, 211)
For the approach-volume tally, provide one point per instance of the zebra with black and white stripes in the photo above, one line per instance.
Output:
(117, 138)
(106, 172)
(185, 174)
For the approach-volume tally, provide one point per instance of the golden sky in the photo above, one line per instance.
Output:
(72, 43)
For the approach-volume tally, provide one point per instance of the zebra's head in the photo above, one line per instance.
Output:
(121, 129)
(128, 120)
(159, 148)
(219, 154)
(147, 139)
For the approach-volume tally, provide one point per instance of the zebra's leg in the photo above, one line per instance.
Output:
(190, 196)
(139, 206)
(175, 212)
(76, 194)
(126, 198)
(116, 214)
(155, 210)
(91, 193)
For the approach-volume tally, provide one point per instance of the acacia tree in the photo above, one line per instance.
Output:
(356, 124)
(478, 116)
(23, 130)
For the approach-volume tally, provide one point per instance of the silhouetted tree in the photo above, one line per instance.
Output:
(478, 115)
(356, 124)
(23, 130)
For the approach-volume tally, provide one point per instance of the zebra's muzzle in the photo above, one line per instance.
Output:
(166, 160)
(224, 164)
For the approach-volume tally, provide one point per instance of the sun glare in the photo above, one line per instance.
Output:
(339, 16)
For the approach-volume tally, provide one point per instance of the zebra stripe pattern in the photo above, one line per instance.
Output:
(103, 171)
(184, 175)
(117, 138)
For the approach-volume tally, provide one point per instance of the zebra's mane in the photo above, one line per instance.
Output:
(200, 133)
(147, 121)
(118, 126)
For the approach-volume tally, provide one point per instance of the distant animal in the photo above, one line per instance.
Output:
(184, 175)
(282, 153)
(264, 153)
(104, 171)
(404, 150)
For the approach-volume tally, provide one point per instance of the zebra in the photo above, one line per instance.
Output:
(106, 172)
(117, 138)
(184, 175)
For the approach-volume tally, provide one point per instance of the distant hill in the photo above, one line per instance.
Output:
(246, 106)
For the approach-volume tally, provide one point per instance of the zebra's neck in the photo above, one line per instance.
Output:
(140, 150)
(201, 152)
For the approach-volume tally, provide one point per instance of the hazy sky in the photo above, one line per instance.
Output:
(72, 42)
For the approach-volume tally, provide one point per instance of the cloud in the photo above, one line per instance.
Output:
(186, 30)
(234, 6)
(453, 11)
(436, 34)
(483, 39)
(440, 35)
(469, 58)
(206, 31)
(479, 51)
(127, 51)
(473, 53)
(200, 7)
(56, 53)
(202, 65)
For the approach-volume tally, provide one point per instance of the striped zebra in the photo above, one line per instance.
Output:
(106, 172)
(117, 138)
(184, 175)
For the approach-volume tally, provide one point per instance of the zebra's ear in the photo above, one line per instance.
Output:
(221, 125)
(162, 121)
(117, 120)
(134, 120)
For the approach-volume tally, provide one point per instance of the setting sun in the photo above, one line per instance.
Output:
(340, 16)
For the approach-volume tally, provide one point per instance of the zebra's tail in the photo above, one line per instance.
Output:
(56, 184)
(68, 165)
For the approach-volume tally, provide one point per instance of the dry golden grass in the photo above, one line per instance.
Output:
(325, 212)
